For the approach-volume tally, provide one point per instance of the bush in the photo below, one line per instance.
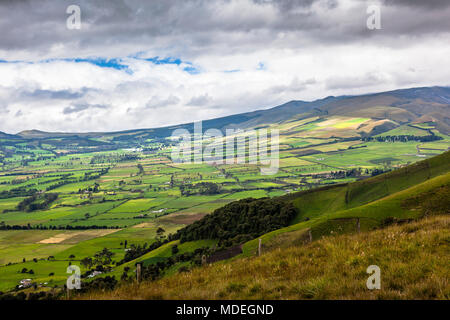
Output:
(240, 221)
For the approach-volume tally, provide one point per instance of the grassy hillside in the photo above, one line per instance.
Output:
(413, 255)
(413, 259)
(373, 202)
(345, 208)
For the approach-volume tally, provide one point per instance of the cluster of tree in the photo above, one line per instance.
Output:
(341, 174)
(203, 188)
(94, 175)
(403, 138)
(94, 189)
(16, 181)
(4, 226)
(155, 270)
(112, 158)
(21, 296)
(155, 148)
(25, 270)
(141, 216)
(135, 252)
(58, 184)
(37, 202)
(87, 176)
(101, 258)
(377, 171)
(17, 192)
(240, 221)
(101, 283)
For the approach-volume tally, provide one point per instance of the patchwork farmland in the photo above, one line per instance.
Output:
(63, 206)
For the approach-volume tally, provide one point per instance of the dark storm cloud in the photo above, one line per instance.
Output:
(431, 4)
(58, 94)
(157, 102)
(349, 82)
(76, 108)
(295, 86)
(199, 25)
(200, 101)
(287, 4)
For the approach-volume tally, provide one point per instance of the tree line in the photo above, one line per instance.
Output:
(240, 221)
(403, 138)
(36, 202)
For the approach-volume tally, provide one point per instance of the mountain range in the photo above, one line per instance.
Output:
(422, 104)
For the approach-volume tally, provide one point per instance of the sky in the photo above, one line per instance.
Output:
(143, 64)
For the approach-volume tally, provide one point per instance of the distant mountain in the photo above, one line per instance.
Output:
(406, 105)
(402, 106)
(7, 136)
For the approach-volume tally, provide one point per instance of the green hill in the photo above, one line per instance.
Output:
(363, 204)
(413, 259)
(379, 216)
(406, 193)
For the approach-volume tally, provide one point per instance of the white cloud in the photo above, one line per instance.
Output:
(309, 49)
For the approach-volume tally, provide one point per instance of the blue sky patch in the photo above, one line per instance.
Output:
(118, 63)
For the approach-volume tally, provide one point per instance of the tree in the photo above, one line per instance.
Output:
(159, 232)
(175, 249)
(87, 262)
(103, 257)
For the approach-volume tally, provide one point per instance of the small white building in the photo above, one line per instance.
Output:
(93, 274)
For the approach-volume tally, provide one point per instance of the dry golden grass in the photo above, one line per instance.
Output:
(67, 237)
(413, 258)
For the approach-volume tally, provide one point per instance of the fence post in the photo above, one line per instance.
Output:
(203, 260)
(259, 247)
(68, 293)
(358, 225)
(138, 272)
(310, 235)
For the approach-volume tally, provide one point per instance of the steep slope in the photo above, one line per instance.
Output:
(341, 208)
(370, 203)
(404, 195)
(374, 221)
(412, 257)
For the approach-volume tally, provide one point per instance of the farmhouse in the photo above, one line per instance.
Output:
(25, 283)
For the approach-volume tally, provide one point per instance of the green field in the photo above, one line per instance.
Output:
(107, 197)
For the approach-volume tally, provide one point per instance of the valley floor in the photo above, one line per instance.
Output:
(413, 259)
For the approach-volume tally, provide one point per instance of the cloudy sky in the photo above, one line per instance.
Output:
(141, 64)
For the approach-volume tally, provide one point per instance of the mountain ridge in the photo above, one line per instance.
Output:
(401, 105)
